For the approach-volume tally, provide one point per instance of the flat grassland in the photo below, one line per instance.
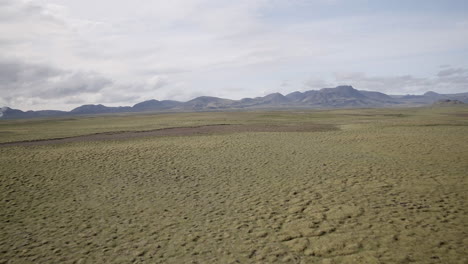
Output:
(334, 186)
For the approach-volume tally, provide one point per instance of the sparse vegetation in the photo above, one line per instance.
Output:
(383, 186)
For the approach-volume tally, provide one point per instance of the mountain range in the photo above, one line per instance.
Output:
(338, 97)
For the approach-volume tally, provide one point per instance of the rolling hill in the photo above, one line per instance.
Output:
(338, 97)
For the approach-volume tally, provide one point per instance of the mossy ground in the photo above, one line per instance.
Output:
(390, 186)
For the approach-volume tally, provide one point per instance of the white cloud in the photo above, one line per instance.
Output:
(120, 52)
(23, 82)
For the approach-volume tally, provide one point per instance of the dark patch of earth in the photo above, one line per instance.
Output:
(179, 131)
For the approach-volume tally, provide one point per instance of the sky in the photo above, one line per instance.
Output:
(60, 54)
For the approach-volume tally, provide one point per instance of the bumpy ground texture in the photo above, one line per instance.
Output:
(363, 187)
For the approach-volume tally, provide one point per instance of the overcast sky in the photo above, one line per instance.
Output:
(60, 54)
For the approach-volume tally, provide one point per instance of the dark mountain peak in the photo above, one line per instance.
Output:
(345, 87)
(153, 105)
(9, 113)
(310, 92)
(98, 109)
(273, 96)
(434, 96)
(88, 108)
(295, 96)
(205, 99)
(342, 91)
(431, 93)
(146, 105)
(247, 100)
(5, 111)
(147, 102)
(208, 102)
(296, 93)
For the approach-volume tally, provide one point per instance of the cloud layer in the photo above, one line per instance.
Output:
(59, 54)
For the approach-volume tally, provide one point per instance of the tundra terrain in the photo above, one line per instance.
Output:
(331, 186)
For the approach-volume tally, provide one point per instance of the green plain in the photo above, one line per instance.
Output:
(387, 186)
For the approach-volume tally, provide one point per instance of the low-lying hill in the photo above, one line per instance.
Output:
(338, 97)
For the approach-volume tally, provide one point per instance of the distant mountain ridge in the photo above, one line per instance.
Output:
(344, 96)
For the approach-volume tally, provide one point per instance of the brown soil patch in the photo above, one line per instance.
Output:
(461, 114)
(178, 131)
